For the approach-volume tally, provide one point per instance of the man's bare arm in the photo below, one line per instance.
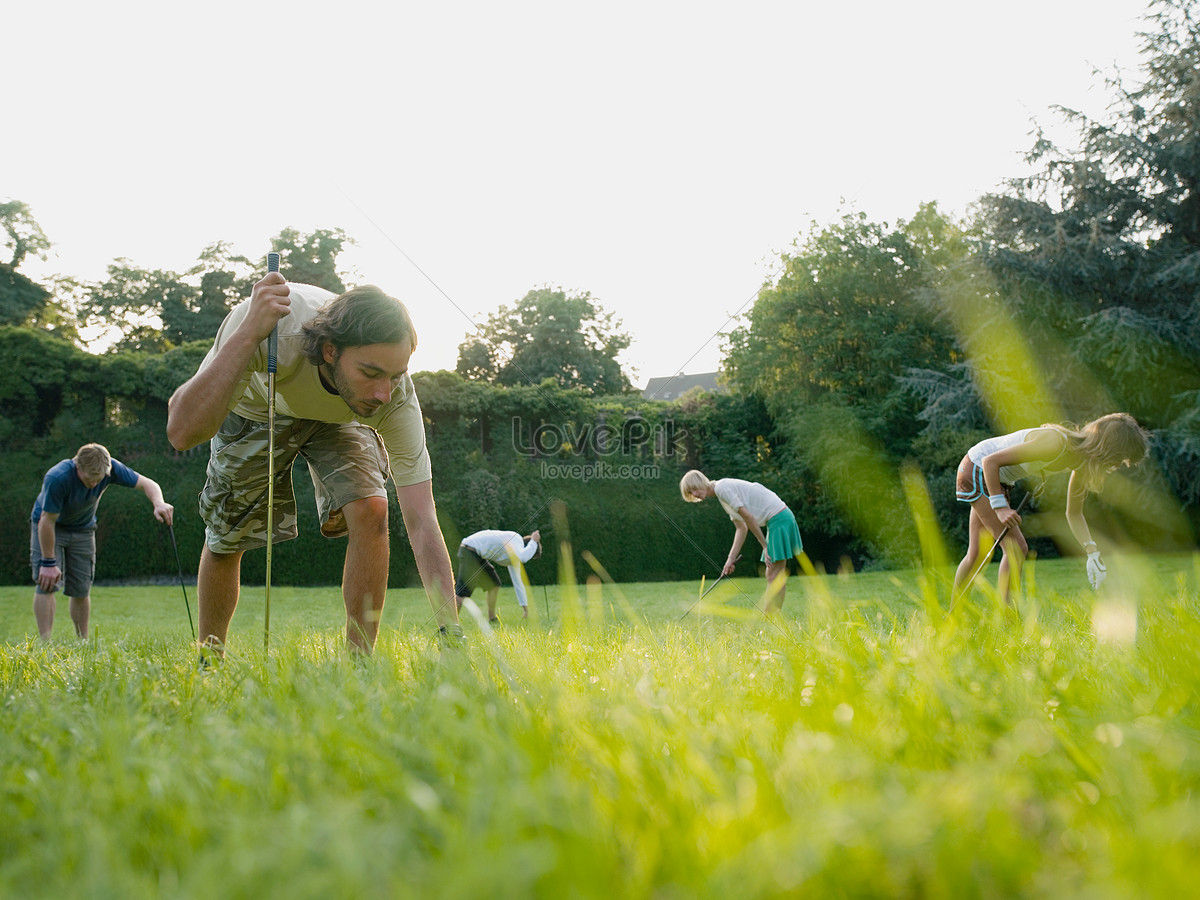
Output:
(199, 405)
(163, 511)
(47, 578)
(429, 548)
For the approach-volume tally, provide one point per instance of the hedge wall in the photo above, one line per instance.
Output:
(502, 457)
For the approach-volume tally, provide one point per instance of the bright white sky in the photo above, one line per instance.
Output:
(659, 155)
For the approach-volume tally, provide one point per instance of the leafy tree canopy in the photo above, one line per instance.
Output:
(548, 334)
(20, 298)
(23, 234)
(156, 309)
(844, 320)
(311, 258)
(1098, 251)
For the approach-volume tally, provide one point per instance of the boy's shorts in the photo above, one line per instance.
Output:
(473, 571)
(347, 462)
(76, 553)
(783, 537)
(969, 485)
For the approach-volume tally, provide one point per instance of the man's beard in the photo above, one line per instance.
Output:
(345, 390)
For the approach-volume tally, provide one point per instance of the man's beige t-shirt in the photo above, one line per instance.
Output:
(300, 393)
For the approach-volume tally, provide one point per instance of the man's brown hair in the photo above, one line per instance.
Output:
(361, 316)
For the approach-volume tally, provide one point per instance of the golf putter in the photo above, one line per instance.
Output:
(179, 563)
(272, 353)
(700, 599)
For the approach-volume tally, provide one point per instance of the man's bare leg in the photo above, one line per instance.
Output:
(218, 582)
(43, 612)
(364, 579)
(81, 611)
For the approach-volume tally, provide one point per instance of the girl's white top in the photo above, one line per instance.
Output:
(1013, 474)
(762, 503)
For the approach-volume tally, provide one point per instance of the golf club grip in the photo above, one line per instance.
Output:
(273, 340)
(1024, 500)
(1004, 531)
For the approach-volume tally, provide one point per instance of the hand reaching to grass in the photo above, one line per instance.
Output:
(1096, 570)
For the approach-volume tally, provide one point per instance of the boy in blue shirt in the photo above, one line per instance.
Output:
(62, 543)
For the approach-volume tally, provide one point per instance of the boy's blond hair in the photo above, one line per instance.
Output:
(694, 480)
(93, 460)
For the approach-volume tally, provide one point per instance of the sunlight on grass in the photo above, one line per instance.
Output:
(861, 750)
(935, 559)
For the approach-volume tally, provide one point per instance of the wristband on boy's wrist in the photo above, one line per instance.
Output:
(998, 501)
(49, 562)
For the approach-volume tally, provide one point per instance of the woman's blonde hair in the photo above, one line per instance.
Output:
(693, 481)
(1106, 443)
(93, 460)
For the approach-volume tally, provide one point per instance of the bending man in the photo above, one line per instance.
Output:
(477, 556)
(345, 402)
(62, 546)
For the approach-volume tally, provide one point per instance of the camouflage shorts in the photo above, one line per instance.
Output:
(347, 462)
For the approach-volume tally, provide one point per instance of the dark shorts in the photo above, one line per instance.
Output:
(473, 571)
(76, 553)
(969, 485)
(346, 462)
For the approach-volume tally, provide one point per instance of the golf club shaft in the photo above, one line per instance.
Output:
(179, 563)
(700, 599)
(988, 556)
(272, 363)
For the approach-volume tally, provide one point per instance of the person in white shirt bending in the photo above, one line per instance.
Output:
(759, 511)
(993, 466)
(477, 556)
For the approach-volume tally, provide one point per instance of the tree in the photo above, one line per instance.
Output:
(826, 348)
(1098, 251)
(226, 278)
(311, 258)
(548, 334)
(25, 235)
(156, 309)
(57, 315)
(134, 302)
(843, 322)
(20, 298)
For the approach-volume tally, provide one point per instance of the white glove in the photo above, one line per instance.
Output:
(1095, 569)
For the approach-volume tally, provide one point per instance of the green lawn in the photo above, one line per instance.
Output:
(860, 745)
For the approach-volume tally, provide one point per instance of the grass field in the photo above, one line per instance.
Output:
(859, 746)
